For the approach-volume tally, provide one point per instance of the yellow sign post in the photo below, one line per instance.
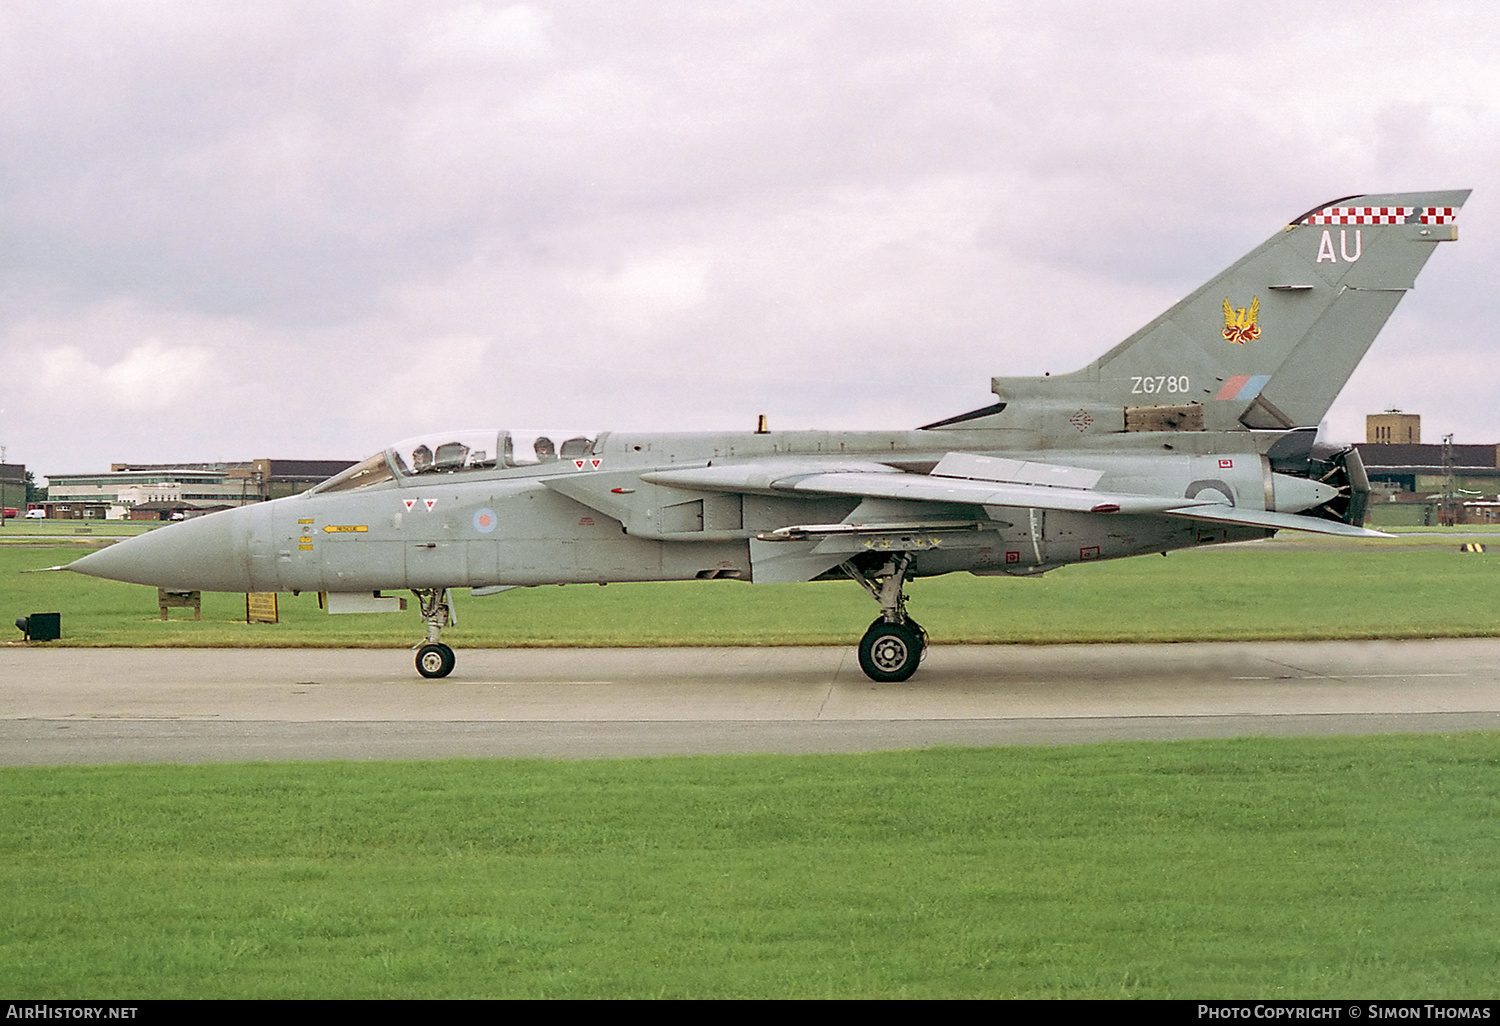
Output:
(260, 607)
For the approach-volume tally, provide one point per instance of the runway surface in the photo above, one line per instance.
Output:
(77, 706)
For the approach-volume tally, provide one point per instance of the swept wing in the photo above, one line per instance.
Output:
(956, 479)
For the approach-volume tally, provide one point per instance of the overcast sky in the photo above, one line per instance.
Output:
(304, 230)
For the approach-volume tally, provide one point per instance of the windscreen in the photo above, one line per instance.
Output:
(362, 475)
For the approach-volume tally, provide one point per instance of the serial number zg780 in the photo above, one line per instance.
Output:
(1161, 383)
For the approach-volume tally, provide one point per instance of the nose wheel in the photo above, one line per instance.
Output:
(435, 659)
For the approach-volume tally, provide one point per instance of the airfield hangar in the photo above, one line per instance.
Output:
(137, 491)
(1413, 484)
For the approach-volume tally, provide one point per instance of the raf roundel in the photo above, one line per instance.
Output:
(485, 520)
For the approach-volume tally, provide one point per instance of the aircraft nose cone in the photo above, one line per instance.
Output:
(204, 554)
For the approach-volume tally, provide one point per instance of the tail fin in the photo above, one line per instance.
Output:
(1270, 341)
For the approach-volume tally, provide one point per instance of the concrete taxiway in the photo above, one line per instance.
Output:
(76, 706)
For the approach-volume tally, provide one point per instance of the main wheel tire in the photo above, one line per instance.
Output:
(435, 660)
(890, 652)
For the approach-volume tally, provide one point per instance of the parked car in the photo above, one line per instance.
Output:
(36, 514)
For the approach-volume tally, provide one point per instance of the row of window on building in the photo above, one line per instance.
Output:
(174, 491)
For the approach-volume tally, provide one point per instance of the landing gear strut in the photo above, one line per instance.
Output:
(894, 645)
(435, 659)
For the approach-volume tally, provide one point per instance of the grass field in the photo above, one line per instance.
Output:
(1414, 587)
(1262, 867)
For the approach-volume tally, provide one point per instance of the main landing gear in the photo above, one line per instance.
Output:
(435, 659)
(894, 645)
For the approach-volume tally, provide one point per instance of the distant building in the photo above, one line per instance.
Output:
(268, 479)
(160, 490)
(1393, 428)
(170, 510)
(1420, 468)
(1413, 484)
(111, 495)
(288, 477)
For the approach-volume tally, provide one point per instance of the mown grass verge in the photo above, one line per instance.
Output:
(1260, 867)
(20, 531)
(1274, 590)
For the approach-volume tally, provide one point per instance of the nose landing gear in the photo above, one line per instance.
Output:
(895, 644)
(435, 659)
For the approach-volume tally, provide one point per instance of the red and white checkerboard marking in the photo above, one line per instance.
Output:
(1382, 215)
(1359, 215)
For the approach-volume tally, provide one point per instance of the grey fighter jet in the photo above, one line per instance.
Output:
(1198, 429)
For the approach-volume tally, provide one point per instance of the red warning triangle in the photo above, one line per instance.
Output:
(579, 463)
(595, 463)
(429, 503)
(408, 503)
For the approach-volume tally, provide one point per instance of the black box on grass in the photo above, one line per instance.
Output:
(41, 626)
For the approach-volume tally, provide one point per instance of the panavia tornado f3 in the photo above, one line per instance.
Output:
(1198, 429)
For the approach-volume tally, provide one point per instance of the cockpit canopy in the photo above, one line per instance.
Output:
(455, 452)
(523, 448)
(446, 453)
